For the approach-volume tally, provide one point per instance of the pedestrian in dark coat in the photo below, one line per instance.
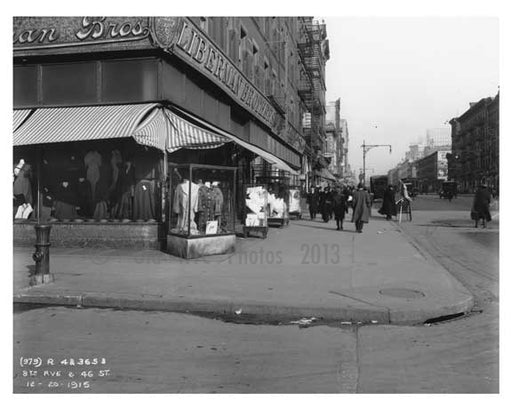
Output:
(340, 208)
(361, 204)
(388, 207)
(313, 201)
(481, 204)
(327, 205)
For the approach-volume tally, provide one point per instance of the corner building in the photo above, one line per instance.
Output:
(111, 103)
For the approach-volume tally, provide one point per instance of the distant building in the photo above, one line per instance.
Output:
(475, 146)
(432, 170)
(437, 139)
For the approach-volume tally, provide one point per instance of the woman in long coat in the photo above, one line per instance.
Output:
(481, 203)
(388, 207)
(340, 209)
(361, 203)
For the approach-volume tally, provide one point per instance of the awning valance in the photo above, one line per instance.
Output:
(325, 174)
(18, 117)
(219, 136)
(144, 122)
(184, 134)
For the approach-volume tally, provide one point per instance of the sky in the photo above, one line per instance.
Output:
(399, 76)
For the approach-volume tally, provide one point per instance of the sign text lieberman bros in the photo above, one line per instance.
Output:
(193, 46)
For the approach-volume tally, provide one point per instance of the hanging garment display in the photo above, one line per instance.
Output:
(124, 192)
(256, 201)
(84, 198)
(218, 199)
(65, 201)
(181, 206)
(277, 207)
(18, 167)
(22, 184)
(115, 161)
(101, 211)
(294, 205)
(205, 207)
(143, 202)
(23, 211)
(93, 162)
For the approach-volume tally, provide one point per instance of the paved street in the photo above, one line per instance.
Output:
(169, 352)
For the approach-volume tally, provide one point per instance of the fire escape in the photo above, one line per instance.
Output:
(313, 52)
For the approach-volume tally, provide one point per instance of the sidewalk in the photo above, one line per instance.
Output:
(307, 269)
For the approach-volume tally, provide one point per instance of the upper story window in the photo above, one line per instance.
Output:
(242, 45)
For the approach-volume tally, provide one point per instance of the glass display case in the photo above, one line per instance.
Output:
(256, 210)
(201, 200)
(201, 209)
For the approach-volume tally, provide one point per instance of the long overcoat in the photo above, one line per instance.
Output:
(340, 206)
(481, 204)
(361, 203)
(388, 203)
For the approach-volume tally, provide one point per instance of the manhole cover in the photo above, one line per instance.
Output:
(402, 293)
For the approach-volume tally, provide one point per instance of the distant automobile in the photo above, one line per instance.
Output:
(448, 190)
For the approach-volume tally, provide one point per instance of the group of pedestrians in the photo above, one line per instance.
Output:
(336, 201)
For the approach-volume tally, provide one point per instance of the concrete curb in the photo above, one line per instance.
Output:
(464, 306)
(251, 311)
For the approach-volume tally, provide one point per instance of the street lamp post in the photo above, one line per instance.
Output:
(367, 148)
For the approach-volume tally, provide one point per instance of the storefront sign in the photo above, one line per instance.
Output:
(196, 49)
(53, 32)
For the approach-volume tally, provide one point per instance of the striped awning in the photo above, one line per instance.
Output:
(184, 134)
(65, 124)
(18, 117)
(217, 136)
(153, 130)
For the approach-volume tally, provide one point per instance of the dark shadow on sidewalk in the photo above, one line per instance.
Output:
(326, 228)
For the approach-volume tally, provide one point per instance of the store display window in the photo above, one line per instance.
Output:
(201, 200)
(94, 181)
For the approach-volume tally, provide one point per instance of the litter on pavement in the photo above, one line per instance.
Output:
(304, 321)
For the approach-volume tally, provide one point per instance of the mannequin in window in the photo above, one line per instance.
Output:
(101, 193)
(181, 206)
(124, 191)
(93, 162)
(205, 206)
(218, 199)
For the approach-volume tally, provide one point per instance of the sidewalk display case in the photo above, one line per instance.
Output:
(201, 210)
(256, 210)
(294, 205)
(278, 199)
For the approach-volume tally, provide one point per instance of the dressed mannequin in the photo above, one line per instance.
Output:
(115, 161)
(143, 201)
(218, 199)
(101, 193)
(125, 191)
(181, 206)
(205, 206)
(92, 162)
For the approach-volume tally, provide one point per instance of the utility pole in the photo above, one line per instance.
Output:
(367, 148)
